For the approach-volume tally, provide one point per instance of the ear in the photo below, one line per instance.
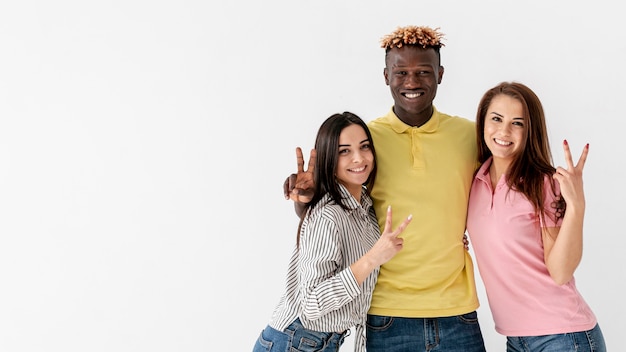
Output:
(441, 69)
(440, 78)
(386, 74)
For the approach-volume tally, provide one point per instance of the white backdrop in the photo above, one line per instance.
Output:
(143, 146)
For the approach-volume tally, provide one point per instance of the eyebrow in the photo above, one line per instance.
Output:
(515, 118)
(347, 145)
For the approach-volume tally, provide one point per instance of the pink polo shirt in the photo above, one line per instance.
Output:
(505, 234)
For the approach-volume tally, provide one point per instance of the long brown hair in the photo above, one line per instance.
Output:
(529, 168)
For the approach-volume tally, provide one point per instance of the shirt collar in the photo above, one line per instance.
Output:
(483, 172)
(400, 127)
(351, 203)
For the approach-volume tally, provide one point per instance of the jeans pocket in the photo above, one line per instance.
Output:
(469, 318)
(378, 323)
(262, 344)
(305, 340)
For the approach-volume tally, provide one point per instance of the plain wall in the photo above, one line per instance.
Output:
(143, 147)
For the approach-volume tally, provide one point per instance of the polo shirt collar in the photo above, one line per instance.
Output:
(400, 127)
(483, 172)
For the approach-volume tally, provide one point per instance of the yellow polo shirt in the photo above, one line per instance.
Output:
(426, 171)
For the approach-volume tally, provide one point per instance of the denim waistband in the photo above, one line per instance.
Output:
(329, 336)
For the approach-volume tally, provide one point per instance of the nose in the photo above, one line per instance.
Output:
(505, 129)
(411, 80)
(357, 157)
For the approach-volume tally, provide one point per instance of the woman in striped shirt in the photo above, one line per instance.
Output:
(339, 247)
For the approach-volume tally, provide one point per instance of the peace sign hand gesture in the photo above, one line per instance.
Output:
(389, 243)
(571, 178)
(299, 187)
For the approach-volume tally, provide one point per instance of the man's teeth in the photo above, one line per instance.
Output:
(412, 95)
(501, 142)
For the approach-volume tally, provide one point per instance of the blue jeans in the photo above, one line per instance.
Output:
(297, 338)
(584, 341)
(448, 334)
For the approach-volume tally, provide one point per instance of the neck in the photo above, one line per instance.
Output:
(414, 119)
(496, 170)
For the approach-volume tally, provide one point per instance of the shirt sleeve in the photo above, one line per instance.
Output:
(324, 285)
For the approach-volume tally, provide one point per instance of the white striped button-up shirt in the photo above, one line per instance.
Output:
(321, 289)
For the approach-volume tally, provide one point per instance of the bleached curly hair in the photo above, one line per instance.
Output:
(423, 36)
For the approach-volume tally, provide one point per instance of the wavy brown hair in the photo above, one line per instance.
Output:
(534, 163)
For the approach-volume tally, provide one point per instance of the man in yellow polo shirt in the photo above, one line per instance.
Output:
(425, 298)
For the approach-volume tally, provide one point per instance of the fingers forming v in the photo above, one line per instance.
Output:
(389, 223)
(583, 157)
(568, 157)
(312, 159)
(299, 160)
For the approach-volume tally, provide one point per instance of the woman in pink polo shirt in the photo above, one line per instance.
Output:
(525, 221)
